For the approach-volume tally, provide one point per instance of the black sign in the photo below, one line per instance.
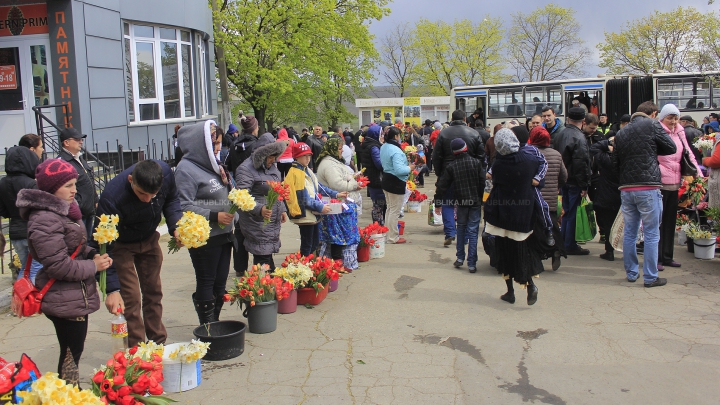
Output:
(62, 54)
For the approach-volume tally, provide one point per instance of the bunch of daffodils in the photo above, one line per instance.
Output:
(49, 389)
(242, 200)
(146, 350)
(190, 353)
(297, 274)
(193, 231)
(106, 232)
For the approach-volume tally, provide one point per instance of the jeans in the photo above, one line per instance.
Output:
(212, 265)
(448, 214)
(394, 205)
(645, 206)
(21, 248)
(468, 226)
(309, 238)
(570, 203)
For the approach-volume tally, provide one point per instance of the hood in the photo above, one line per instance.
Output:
(195, 141)
(232, 129)
(374, 132)
(21, 161)
(264, 147)
(29, 200)
(282, 135)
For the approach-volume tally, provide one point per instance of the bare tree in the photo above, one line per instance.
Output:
(398, 59)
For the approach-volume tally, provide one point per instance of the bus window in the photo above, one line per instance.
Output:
(505, 103)
(689, 93)
(538, 97)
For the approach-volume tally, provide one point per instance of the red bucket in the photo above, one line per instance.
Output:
(309, 296)
(363, 253)
(401, 227)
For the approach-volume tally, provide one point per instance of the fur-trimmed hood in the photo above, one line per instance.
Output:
(266, 146)
(29, 200)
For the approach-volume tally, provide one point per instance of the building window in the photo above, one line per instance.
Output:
(159, 65)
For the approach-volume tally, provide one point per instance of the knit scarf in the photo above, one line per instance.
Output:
(74, 212)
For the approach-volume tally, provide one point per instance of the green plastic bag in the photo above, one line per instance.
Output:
(585, 224)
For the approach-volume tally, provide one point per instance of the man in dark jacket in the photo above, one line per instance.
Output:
(140, 196)
(72, 145)
(315, 143)
(553, 124)
(690, 134)
(593, 136)
(443, 155)
(573, 147)
(466, 176)
(20, 164)
(635, 161)
(244, 144)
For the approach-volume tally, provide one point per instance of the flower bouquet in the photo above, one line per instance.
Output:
(190, 353)
(295, 270)
(50, 389)
(366, 239)
(278, 192)
(193, 232)
(681, 222)
(256, 286)
(705, 143)
(242, 200)
(325, 270)
(132, 377)
(376, 229)
(416, 196)
(363, 181)
(106, 232)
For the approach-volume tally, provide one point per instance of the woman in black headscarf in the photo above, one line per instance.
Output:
(370, 158)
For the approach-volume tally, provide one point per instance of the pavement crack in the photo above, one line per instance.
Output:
(350, 369)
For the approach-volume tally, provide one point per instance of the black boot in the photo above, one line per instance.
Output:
(608, 255)
(205, 310)
(218, 306)
(532, 293)
(509, 296)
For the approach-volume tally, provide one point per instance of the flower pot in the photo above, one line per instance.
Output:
(690, 245)
(363, 253)
(704, 248)
(289, 304)
(334, 285)
(309, 296)
(377, 251)
(179, 376)
(401, 227)
(226, 338)
(262, 318)
(414, 206)
(682, 238)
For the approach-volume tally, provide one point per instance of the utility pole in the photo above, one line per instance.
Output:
(222, 68)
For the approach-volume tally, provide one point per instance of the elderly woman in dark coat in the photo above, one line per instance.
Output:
(370, 159)
(254, 174)
(509, 215)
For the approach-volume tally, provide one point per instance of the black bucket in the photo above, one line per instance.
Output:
(226, 338)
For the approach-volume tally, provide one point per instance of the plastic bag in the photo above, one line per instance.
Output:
(16, 377)
(585, 225)
(433, 218)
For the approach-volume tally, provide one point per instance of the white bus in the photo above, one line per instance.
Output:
(695, 94)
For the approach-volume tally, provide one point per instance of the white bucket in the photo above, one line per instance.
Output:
(377, 251)
(179, 376)
(414, 206)
(704, 248)
(682, 238)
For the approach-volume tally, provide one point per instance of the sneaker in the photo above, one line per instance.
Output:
(631, 280)
(449, 241)
(578, 252)
(659, 282)
(458, 264)
(472, 269)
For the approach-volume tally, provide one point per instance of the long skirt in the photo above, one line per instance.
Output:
(517, 260)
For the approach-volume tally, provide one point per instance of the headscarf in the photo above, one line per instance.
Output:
(539, 136)
(506, 142)
(330, 148)
(521, 133)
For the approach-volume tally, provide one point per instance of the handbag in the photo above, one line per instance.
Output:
(687, 168)
(26, 299)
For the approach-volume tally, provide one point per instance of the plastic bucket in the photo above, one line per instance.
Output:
(309, 296)
(414, 206)
(377, 251)
(289, 304)
(682, 238)
(177, 376)
(704, 248)
(226, 338)
(363, 253)
(401, 227)
(334, 285)
(262, 318)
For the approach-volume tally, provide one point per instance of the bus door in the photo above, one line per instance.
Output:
(589, 95)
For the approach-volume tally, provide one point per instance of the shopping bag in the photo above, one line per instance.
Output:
(16, 377)
(617, 232)
(584, 231)
(433, 218)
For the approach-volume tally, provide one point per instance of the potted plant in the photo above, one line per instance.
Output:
(260, 292)
(297, 273)
(415, 200)
(366, 241)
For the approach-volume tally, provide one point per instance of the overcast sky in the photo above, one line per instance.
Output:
(596, 17)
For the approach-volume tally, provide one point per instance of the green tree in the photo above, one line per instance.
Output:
(546, 44)
(461, 53)
(282, 55)
(675, 41)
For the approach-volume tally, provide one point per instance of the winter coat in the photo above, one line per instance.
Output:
(86, 196)
(690, 134)
(316, 146)
(336, 175)
(443, 154)
(303, 202)
(370, 159)
(52, 239)
(575, 153)
(199, 182)
(261, 239)
(556, 130)
(395, 168)
(555, 176)
(286, 157)
(510, 205)
(241, 149)
(670, 164)
(607, 195)
(466, 176)
(484, 135)
(637, 147)
(20, 164)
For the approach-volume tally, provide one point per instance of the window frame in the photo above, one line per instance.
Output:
(159, 99)
(678, 99)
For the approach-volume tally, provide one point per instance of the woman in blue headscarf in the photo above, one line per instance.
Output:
(370, 159)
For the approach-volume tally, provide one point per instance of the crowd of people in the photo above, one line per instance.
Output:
(631, 167)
